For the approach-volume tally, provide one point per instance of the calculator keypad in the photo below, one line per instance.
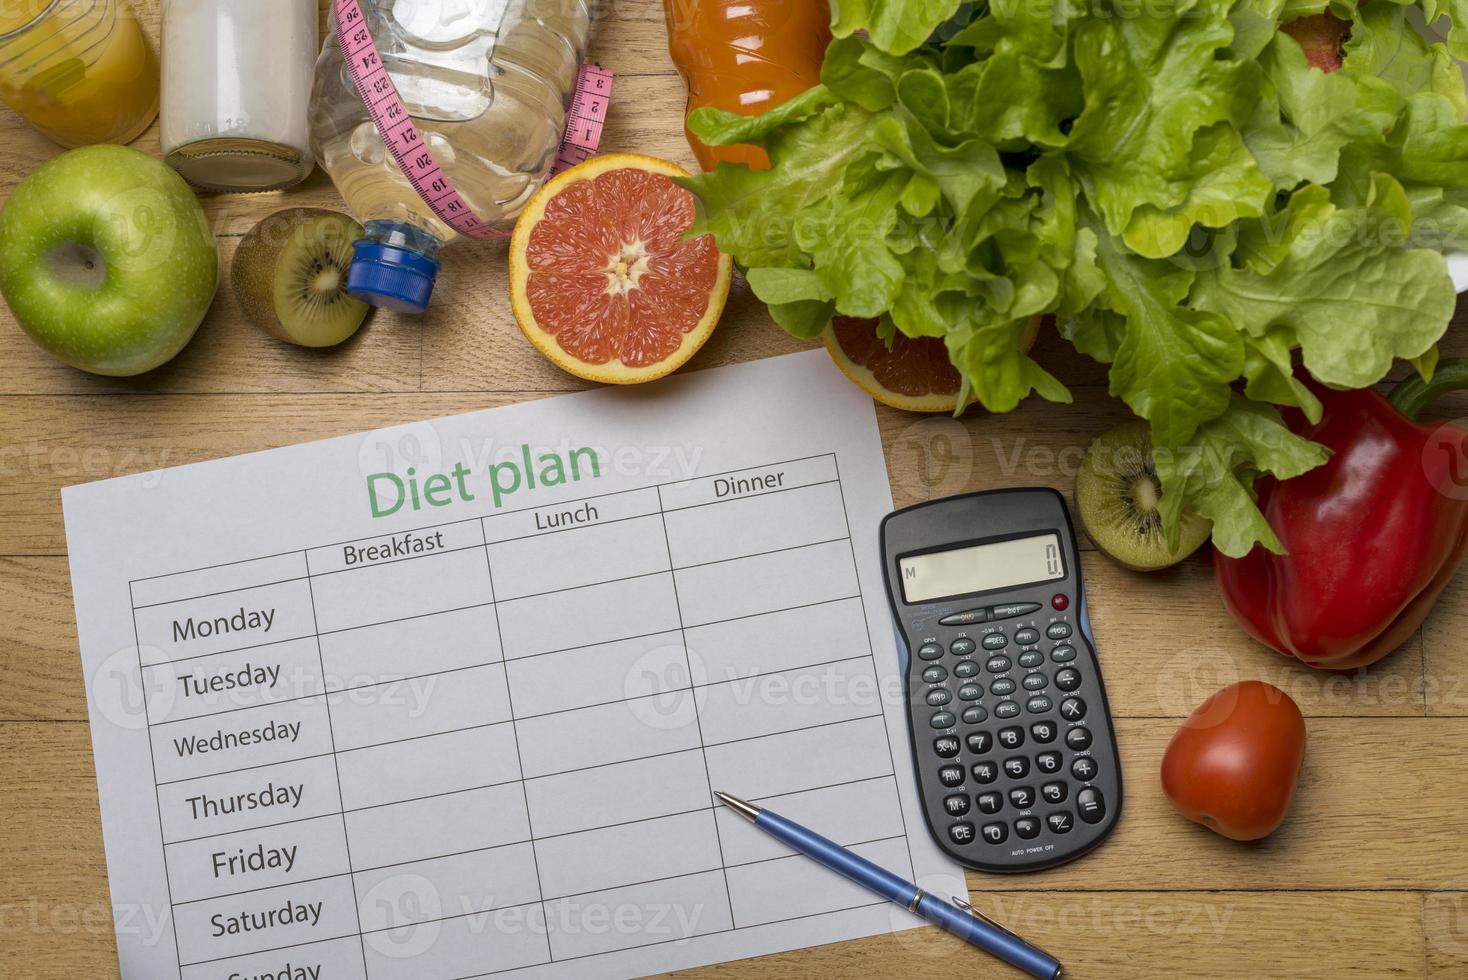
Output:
(1013, 702)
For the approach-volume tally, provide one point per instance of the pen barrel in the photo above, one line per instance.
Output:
(990, 938)
(838, 858)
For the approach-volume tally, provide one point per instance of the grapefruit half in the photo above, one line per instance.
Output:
(601, 280)
(914, 374)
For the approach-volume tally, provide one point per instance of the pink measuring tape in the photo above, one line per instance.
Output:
(584, 123)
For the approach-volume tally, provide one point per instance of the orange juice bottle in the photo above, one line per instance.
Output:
(80, 71)
(745, 56)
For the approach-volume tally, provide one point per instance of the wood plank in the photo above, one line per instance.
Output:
(1445, 655)
(42, 673)
(1445, 922)
(53, 892)
(1138, 619)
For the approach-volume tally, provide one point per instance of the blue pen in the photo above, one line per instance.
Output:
(957, 917)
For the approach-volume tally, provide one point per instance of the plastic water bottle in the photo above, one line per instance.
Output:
(487, 83)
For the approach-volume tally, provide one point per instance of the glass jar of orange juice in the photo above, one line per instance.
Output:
(80, 71)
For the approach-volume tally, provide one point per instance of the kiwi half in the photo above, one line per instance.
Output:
(1117, 496)
(290, 277)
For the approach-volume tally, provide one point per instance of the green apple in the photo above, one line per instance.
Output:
(107, 260)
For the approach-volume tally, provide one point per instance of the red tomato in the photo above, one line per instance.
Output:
(1233, 765)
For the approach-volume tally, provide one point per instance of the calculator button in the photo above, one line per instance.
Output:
(970, 692)
(961, 647)
(1073, 709)
(1057, 631)
(1006, 709)
(1027, 636)
(1035, 682)
(1048, 762)
(1053, 792)
(1060, 602)
(997, 665)
(966, 618)
(989, 802)
(1063, 654)
(1091, 804)
(1012, 609)
(1023, 797)
(996, 833)
(995, 641)
(1084, 768)
(961, 833)
(942, 719)
(935, 675)
(1043, 731)
(938, 697)
(1059, 823)
(1038, 705)
(985, 772)
(956, 805)
(1011, 738)
(946, 746)
(1002, 687)
(966, 668)
(1078, 739)
(1017, 767)
(1027, 827)
(974, 714)
(980, 742)
(951, 775)
(930, 651)
(1067, 679)
(1031, 658)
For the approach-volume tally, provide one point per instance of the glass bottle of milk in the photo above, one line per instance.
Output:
(236, 86)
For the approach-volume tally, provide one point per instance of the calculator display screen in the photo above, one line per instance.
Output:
(981, 567)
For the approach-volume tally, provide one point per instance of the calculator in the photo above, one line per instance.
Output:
(1011, 734)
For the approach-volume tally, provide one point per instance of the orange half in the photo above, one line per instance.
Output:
(914, 374)
(602, 281)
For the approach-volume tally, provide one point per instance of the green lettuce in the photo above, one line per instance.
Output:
(1200, 209)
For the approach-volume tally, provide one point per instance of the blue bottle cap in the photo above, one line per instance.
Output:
(390, 277)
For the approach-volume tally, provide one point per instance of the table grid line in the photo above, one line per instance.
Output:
(484, 605)
(325, 696)
(157, 803)
(871, 649)
(441, 552)
(515, 733)
(568, 959)
(544, 775)
(713, 808)
(337, 772)
(641, 517)
(697, 720)
(682, 939)
(483, 517)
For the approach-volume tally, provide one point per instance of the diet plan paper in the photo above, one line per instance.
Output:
(450, 700)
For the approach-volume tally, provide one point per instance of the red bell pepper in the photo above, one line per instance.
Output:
(1372, 537)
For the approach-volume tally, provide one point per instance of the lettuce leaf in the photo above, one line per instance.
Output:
(1201, 209)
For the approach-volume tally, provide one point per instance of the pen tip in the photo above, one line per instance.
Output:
(747, 810)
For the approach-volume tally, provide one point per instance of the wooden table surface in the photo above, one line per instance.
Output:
(1368, 878)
